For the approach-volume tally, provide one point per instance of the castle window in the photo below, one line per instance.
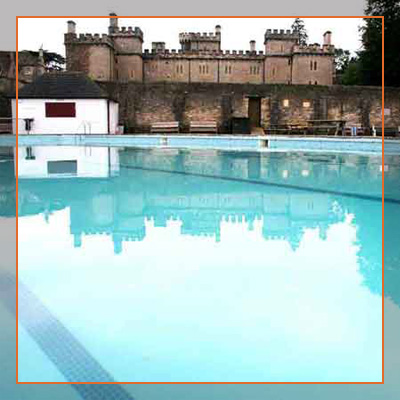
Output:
(315, 83)
(181, 69)
(230, 69)
(285, 103)
(306, 104)
(309, 82)
(315, 65)
(311, 65)
(288, 61)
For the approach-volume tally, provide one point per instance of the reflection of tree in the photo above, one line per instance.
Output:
(368, 217)
(392, 251)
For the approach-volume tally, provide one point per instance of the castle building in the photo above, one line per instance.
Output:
(119, 56)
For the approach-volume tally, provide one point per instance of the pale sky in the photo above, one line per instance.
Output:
(236, 32)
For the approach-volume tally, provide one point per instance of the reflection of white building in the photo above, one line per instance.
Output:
(55, 162)
(64, 103)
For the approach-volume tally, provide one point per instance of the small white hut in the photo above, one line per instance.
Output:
(64, 103)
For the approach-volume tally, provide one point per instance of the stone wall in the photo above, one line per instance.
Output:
(143, 104)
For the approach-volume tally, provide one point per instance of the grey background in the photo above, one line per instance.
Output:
(171, 7)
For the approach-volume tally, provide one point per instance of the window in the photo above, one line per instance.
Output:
(306, 104)
(315, 65)
(289, 61)
(286, 103)
(68, 167)
(315, 83)
(60, 110)
(311, 65)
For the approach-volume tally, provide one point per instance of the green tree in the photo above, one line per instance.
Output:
(300, 27)
(53, 61)
(371, 35)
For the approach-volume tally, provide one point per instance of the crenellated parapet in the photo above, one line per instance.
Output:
(205, 36)
(87, 38)
(201, 54)
(326, 49)
(127, 32)
(281, 34)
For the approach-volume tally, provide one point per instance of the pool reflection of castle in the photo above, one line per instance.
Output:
(132, 186)
(116, 192)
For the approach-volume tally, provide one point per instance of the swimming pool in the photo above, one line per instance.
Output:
(168, 265)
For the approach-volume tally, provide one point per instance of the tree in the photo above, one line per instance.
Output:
(347, 68)
(371, 35)
(299, 27)
(53, 61)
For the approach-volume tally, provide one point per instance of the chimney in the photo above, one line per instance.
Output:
(252, 46)
(113, 23)
(41, 66)
(218, 30)
(71, 27)
(328, 38)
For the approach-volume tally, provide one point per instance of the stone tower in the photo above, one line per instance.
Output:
(278, 55)
(194, 42)
(314, 64)
(128, 50)
(92, 54)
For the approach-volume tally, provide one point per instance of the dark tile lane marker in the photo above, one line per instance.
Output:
(60, 346)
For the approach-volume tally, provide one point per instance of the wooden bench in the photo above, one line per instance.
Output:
(326, 125)
(289, 129)
(165, 127)
(390, 131)
(203, 127)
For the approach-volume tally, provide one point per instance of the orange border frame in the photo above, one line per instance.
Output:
(383, 205)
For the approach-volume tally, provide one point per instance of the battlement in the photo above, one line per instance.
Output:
(127, 32)
(226, 54)
(326, 49)
(87, 38)
(281, 34)
(205, 36)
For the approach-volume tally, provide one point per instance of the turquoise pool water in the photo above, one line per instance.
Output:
(169, 265)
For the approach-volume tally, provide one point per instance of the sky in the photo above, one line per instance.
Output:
(236, 32)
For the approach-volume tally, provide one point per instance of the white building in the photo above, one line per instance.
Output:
(64, 103)
(51, 162)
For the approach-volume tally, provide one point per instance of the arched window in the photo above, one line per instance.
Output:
(315, 65)
(311, 65)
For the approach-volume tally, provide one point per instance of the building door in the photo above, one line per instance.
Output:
(255, 111)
